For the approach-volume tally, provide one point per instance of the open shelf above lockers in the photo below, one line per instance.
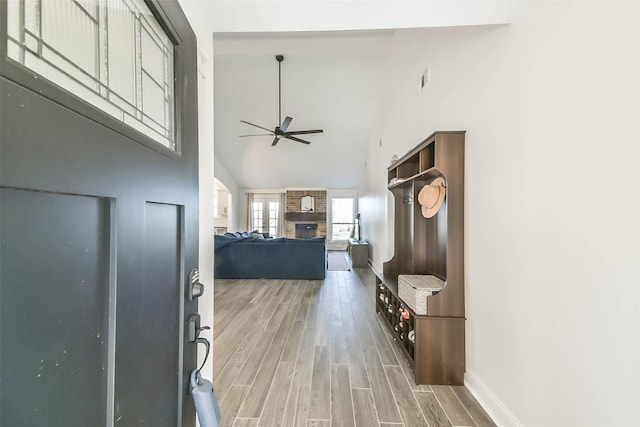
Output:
(414, 163)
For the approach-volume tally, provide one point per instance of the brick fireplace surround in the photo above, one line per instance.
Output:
(294, 214)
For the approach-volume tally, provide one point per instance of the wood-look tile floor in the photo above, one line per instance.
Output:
(306, 353)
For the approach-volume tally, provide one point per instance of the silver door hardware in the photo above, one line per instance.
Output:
(196, 289)
(194, 327)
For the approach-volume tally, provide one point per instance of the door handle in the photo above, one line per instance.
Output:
(194, 327)
(196, 289)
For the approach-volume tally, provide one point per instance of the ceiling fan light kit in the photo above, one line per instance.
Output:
(281, 130)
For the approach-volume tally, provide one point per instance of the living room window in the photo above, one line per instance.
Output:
(342, 216)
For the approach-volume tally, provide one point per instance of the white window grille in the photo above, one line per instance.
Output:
(111, 53)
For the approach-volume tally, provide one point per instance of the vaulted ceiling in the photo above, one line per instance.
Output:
(330, 81)
(335, 58)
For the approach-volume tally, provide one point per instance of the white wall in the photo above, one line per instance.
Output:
(550, 104)
(223, 175)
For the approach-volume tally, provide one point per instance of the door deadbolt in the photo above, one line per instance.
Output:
(196, 289)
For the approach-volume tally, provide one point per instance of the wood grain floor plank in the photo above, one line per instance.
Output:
(233, 402)
(301, 313)
(431, 409)
(260, 388)
(274, 407)
(292, 346)
(387, 355)
(276, 320)
(324, 328)
(226, 378)
(270, 301)
(227, 316)
(296, 297)
(319, 400)
(260, 295)
(405, 364)
(339, 352)
(341, 403)
(357, 368)
(382, 396)
(282, 334)
(301, 413)
(403, 361)
(284, 293)
(235, 334)
(318, 423)
(251, 367)
(452, 406)
(300, 394)
(246, 422)
(295, 395)
(407, 404)
(364, 407)
(479, 416)
(336, 314)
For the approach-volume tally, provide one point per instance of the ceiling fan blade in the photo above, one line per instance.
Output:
(256, 134)
(263, 128)
(275, 141)
(301, 132)
(285, 124)
(293, 138)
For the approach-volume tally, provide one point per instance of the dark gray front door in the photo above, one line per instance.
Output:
(98, 234)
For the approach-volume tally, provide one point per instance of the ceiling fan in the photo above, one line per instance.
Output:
(281, 130)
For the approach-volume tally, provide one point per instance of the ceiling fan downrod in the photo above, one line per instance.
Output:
(282, 128)
(279, 58)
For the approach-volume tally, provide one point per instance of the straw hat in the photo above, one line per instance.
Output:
(431, 197)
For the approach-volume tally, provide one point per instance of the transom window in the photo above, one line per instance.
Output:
(111, 53)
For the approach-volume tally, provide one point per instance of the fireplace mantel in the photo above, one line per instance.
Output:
(305, 216)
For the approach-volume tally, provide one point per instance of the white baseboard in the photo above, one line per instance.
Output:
(498, 412)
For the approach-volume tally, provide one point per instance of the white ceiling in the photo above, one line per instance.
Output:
(331, 79)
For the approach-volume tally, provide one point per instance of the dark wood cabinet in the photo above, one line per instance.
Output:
(428, 246)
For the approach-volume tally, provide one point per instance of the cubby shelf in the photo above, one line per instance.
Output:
(432, 246)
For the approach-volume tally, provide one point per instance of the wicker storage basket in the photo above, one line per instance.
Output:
(414, 290)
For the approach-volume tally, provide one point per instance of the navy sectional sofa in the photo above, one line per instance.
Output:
(281, 258)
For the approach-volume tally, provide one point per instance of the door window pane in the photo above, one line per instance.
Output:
(266, 213)
(256, 216)
(274, 212)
